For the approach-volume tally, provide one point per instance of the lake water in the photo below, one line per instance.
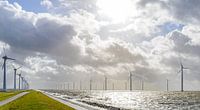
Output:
(143, 100)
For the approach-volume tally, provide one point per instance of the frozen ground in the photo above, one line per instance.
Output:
(132, 100)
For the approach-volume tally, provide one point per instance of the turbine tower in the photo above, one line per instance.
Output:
(90, 84)
(80, 85)
(130, 78)
(142, 84)
(105, 82)
(5, 58)
(15, 73)
(167, 85)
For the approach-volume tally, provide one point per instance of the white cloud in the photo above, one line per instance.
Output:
(42, 64)
(193, 32)
(47, 3)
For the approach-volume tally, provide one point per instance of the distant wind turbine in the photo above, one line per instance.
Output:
(26, 85)
(5, 58)
(15, 73)
(167, 84)
(182, 70)
(90, 84)
(19, 80)
(113, 86)
(68, 85)
(80, 85)
(142, 78)
(142, 84)
(125, 85)
(106, 81)
(130, 79)
(22, 83)
(73, 85)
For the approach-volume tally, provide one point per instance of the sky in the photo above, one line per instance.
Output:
(64, 41)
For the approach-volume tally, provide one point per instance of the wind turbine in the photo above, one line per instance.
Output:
(22, 82)
(73, 85)
(130, 78)
(142, 84)
(80, 85)
(19, 79)
(167, 84)
(142, 78)
(113, 86)
(106, 81)
(68, 86)
(15, 73)
(27, 85)
(5, 58)
(182, 70)
(90, 84)
(125, 85)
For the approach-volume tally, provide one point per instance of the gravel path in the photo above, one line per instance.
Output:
(12, 98)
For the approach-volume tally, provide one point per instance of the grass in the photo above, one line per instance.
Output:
(6, 95)
(35, 100)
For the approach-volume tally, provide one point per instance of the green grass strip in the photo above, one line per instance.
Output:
(35, 100)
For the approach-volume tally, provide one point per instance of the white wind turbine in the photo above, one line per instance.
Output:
(19, 79)
(15, 74)
(182, 68)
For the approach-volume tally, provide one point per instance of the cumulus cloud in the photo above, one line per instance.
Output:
(185, 11)
(47, 3)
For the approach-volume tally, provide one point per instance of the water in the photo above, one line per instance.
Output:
(144, 100)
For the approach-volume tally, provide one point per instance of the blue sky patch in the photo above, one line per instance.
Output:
(170, 26)
(30, 5)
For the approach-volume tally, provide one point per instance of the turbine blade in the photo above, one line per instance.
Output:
(10, 58)
(13, 66)
(3, 64)
(19, 67)
(4, 51)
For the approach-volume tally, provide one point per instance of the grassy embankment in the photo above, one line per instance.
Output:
(6, 95)
(35, 101)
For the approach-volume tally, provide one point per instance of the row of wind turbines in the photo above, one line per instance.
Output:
(23, 84)
(131, 75)
(182, 68)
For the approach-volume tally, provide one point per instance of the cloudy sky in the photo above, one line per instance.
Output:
(60, 41)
